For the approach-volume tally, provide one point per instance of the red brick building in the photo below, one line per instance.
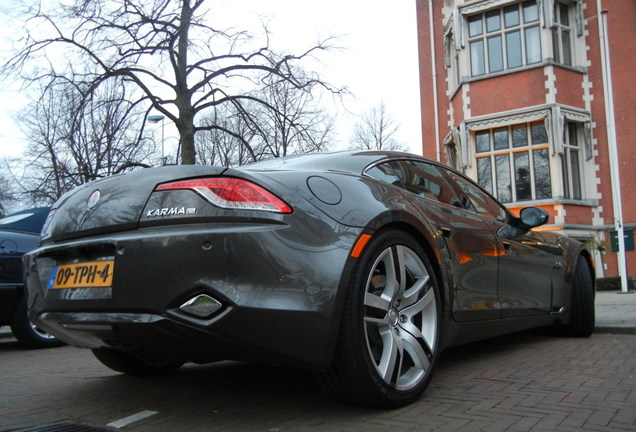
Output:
(514, 94)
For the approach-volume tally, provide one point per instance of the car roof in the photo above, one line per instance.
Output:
(30, 220)
(348, 161)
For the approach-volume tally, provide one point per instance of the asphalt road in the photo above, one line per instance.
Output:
(527, 382)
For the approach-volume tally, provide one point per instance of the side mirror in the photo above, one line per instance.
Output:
(532, 217)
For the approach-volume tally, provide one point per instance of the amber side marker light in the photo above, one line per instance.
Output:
(231, 193)
(360, 244)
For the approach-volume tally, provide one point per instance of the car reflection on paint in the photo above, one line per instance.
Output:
(361, 266)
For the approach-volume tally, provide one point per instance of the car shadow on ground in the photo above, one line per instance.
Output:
(229, 395)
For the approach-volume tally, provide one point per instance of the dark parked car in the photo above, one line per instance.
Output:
(361, 266)
(20, 233)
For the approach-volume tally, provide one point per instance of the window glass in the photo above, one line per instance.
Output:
(420, 178)
(539, 134)
(530, 12)
(505, 38)
(562, 33)
(511, 16)
(429, 181)
(504, 191)
(384, 172)
(566, 48)
(484, 174)
(493, 22)
(477, 64)
(475, 27)
(482, 141)
(572, 136)
(517, 172)
(542, 181)
(522, 176)
(564, 18)
(501, 138)
(480, 201)
(576, 174)
(495, 54)
(513, 49)
(520, 135)
(571, 162)
(533, 45)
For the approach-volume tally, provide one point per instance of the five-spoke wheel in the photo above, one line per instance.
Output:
(400, 317)
(388, 345)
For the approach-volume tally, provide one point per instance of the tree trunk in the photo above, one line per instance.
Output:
(184, 95)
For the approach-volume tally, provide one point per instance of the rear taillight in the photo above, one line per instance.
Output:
(231, 193)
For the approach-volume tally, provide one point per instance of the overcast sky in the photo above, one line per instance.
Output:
(378, 61)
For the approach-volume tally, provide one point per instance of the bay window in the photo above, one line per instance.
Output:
(513, 162)
(504, 38)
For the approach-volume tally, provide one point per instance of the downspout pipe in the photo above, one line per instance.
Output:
(606, 67)
(438, 151)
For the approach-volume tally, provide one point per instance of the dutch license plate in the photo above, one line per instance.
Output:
(92, 274)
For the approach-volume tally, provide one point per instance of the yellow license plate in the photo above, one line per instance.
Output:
(92, 274)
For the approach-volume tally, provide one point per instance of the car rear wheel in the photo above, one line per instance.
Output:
(389, 336)
(28, 334)
(581, 302)
(130, 364)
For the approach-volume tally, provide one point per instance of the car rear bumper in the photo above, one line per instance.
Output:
(279, 297)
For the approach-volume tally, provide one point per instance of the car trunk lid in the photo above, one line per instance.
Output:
(113, 203)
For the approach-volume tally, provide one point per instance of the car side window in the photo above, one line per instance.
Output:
(478, 201)
(385, 173)
(425, 179)
(421, 178)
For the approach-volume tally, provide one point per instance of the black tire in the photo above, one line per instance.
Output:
(388, 345)
(130, 364)
(581, 302)
(27, 334)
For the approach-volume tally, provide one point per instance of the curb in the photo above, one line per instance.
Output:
(629, 329)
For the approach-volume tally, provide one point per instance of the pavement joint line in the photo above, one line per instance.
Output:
(131, 419)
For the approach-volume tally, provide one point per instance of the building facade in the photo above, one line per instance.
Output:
(515, 93)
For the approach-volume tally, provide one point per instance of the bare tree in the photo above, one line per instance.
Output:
(216, 146)
(376, 130)
(74, 139)
(295, 125)
(179, 65)
(8, 196)
(291, 122)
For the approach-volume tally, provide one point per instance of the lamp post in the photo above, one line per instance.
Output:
(156, 119)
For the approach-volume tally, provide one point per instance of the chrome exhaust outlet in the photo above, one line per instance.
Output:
(201, 306)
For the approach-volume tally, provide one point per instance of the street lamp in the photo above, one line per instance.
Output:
(156, 119)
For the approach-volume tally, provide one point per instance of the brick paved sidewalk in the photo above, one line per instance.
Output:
(526, 382)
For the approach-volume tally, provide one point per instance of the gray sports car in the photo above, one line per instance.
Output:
(361, 266)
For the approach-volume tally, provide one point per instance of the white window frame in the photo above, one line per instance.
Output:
(510, 152)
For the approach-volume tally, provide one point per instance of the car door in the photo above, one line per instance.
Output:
(526, 260)
(471, 243)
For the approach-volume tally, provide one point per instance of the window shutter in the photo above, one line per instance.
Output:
(548, 11)
(458, 29)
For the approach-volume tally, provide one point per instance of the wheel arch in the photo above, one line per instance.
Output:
(590, 264)
(425, 241)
